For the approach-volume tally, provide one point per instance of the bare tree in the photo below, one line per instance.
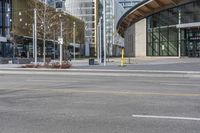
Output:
(48, 21)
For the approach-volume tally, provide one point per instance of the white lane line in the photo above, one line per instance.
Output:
(181, 84)
(166, 117)
(50, 81)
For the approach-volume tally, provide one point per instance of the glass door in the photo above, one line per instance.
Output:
(193, 42)
(197, 49)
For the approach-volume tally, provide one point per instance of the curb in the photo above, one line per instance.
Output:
(97, 72)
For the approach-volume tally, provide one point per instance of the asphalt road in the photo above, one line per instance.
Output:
(98, 104)
(165, 66)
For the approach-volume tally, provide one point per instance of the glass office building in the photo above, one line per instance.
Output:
(16, 19)
(86, 10)
(163, 34)
(113, 11)
(127, 4)
(162, 28)
(109, 26)
(5, 26)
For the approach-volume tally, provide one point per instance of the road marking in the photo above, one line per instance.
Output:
(181, 84)
(170, 83)
(137, 93)
(166, 117)
(51, 81)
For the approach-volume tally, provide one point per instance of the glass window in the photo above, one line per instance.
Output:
(164, 18)
(155, 49)
(163, 34)
(149, 22)
(173, 48)
(155, 35)
(155, 20)
(164, 48)
(186, 13)
(173, 16)
(149, 49)
(162, 38)
(173, 34)
(149, 38)
(1, 13)
(1, 34)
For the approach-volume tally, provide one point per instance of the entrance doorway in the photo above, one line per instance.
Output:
(193, 42)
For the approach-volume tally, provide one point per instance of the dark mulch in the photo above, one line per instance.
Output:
(53, 66)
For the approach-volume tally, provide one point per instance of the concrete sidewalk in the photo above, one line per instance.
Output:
(147, 63)
(4, 66)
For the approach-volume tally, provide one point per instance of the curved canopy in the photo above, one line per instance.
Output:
(142, 10)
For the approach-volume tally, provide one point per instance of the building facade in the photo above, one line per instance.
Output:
(16, 24)
(86, 10)
(118, 40)
(57, 4)
(109, 27)
(162, 28)
(113, 12)
(127, 4)
(5, 27)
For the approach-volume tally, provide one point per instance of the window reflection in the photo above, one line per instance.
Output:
(5, 26)
(162, 34)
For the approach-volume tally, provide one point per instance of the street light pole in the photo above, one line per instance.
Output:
(35, 36)
(104, 30)
(44, 34)
(33, 41)
(113, 20)
(74, 39)
(61, 42)
(100, 44)
(98, 40)
(54, 45)
(179, 34)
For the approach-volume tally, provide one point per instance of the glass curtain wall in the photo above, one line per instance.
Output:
(109, 27)
(85, 10)
(162, 34)
(5, 25)
(127, 4)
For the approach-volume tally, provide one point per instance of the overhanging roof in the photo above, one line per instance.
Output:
(142, 10)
